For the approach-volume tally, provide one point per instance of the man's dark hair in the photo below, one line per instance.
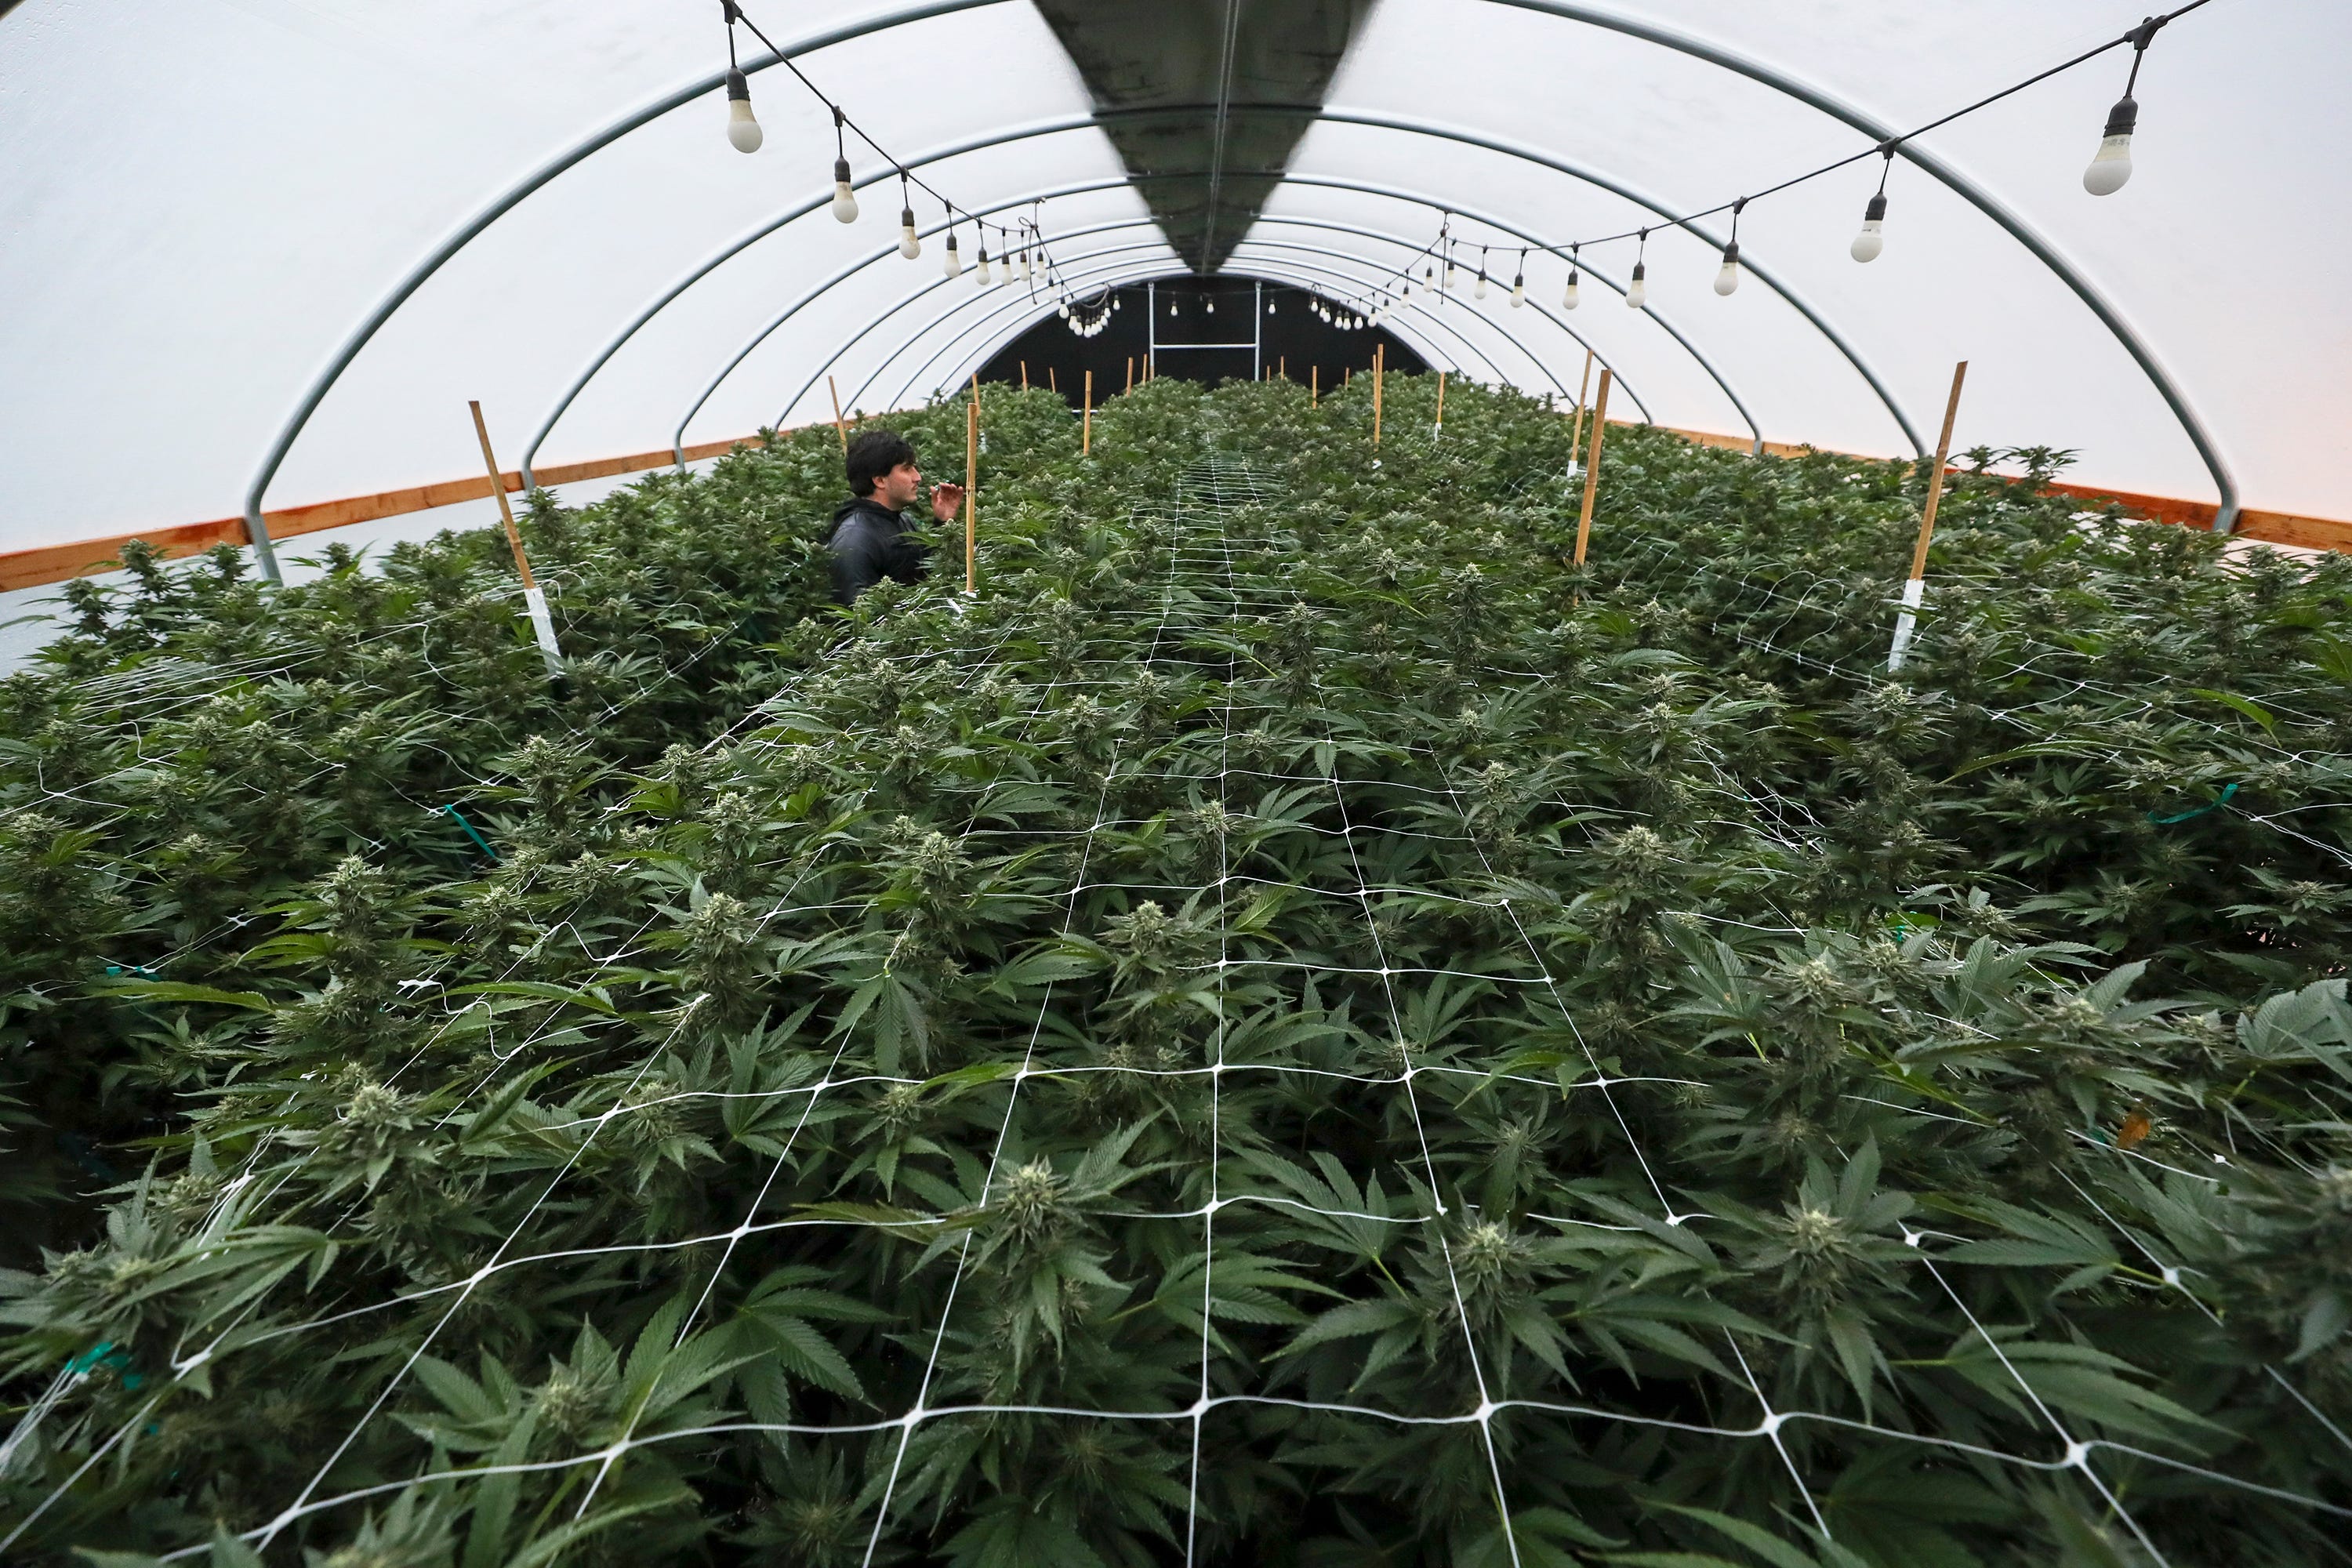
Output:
(872, 453)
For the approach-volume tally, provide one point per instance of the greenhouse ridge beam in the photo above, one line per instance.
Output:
(2226, 510)
(1188, 65)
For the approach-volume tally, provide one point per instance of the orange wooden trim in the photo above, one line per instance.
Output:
(55, 563)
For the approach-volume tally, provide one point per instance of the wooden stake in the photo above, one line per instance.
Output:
(837, 424)
(1025, 376)
(1086, 419)
(1315, 387)
(1131, 373)
(1576, 440)
(1592, 467)
(1282, 366)
(971, 494)
(542, 626)
(1379, 359)
(1914, 587)
(1441, 399)
(1051, 384)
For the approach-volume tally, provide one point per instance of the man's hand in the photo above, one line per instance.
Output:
(946, 499)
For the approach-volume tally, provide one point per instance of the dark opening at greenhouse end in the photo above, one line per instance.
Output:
(1200, 329)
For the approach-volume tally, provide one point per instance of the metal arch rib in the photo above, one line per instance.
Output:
(678, 436)
(1290, 271)
(744, 241)
(2047, 254)
(1080, 123)
(1413, 125)
(1278, 270)
(1501, 330)
(384, 308)
(1293, 269)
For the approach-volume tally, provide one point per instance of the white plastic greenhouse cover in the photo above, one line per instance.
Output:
(202, 202)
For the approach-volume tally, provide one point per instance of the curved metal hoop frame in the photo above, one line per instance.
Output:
(1283, 271)
(1051, 127)
(677, 434)
(1571, 10)
(2045, 252)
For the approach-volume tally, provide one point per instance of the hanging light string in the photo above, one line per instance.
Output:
(744, 134)
(2108, 170)
(2120, 124)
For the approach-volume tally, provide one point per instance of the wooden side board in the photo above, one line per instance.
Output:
(55, 563)
(2267, 527)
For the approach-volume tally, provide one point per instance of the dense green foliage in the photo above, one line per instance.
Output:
(1295, 1028)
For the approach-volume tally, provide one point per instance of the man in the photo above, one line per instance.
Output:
(870, 533)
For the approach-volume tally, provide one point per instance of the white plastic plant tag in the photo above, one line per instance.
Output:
(1913, 591)
(542, 626)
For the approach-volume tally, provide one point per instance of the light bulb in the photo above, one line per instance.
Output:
(1638, 293)
(1480, 291)
(1269, 307)
(1213, 306)
(1567, 299)
(1727, 278)
(910, 244)
(1172, 307)
(1871, 240)
(1518, 290)
(743, 132)
(980, 268)
(2111, 165)
(953, 265)
(844, 200)
(1448, 283)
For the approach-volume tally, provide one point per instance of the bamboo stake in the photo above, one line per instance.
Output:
(1914, 587)
(1315, 387)
(971, 493)
(1282, 366)
(1025, 376)
(542, 626)
(1576, 440)
(1440, 405)
(1379, 359)
(1131, 373)
(1087, 420)
(1052, 384)
(837, 424)
(1592, 467)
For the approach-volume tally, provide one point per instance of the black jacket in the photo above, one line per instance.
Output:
(870, 542)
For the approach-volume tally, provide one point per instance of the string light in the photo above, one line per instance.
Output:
(2112, 164)
(1480, 291)
(1871, 240)
(953, 264)
(910, 244)
(1727, 280)
(844, 195)
(980, 267)
(743, 132)
(1519, 283)
(1637, 294)
(1567, 299)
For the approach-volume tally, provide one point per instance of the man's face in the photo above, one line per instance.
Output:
(900, 487)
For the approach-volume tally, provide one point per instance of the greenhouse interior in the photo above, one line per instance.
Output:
(1035, 783)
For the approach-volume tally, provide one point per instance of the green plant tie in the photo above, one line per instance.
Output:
(2227, 791)
(481, 843)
